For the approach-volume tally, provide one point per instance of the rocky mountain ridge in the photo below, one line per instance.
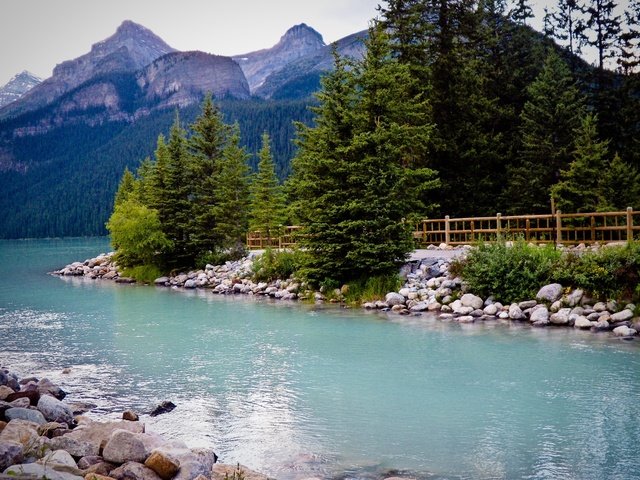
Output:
(18, 86)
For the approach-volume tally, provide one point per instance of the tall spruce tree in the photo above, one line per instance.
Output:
(232, 194)
(126, 187)
(548, 121)
(565, 21)
(267, 211)
(629, 39)
(357, 175)
(579, 189)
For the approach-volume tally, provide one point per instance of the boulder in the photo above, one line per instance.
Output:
(561, 317)
(491, 309)
(163, 464)
(574, 298)
(20, 431)
(133, 470)
(470, 300)
(77, 448)
(582, 322)
(515, 312)
(624, 331)
(466, 319)
(89, 460)
(48, 471)
(540, 314)
(97, 476)
(393, 298)
(90, 436)
(600, 307)
(124, 446)
(47, 387)
(420, 307)
(549, 293)
(20, 403)
(32, 395)
(527, 304)
(197, 461)
(164, 407)
(25, 414)
(130, 415)
(54, 410)
(161, 281)
(58, 457)
(622, 316)
(5, 392)
(10, 454)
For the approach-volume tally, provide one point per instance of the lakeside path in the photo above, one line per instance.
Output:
(421, 254)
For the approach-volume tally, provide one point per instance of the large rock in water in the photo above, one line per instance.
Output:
(393, 298)
(470, 300)
(54, 410)
(549, 293)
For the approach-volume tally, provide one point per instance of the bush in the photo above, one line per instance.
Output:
(273, 265)
(372, 288)
(220, 257)
(143, 273)
(611, 272)
(509, 273)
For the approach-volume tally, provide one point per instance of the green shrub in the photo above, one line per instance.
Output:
(220, 257)
(610, 272)
(274, 264)
(143, 273)
(372, 288)
(509, 273)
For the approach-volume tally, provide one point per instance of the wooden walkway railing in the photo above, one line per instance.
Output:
(565, 228)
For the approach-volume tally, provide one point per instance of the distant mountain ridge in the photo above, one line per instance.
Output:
(18, 86)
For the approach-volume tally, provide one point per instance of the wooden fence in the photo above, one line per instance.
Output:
(565, 228)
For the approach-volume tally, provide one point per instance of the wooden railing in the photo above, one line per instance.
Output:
(565, 228)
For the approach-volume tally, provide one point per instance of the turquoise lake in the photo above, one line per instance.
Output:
(298, 390)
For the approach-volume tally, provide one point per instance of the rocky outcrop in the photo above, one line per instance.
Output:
(182, 78)
(296, 43)
(18, 86)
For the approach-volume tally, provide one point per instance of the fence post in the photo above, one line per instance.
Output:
(558, 227)
(498, 225)
(446, 230)
(629, 224)
(527, 226)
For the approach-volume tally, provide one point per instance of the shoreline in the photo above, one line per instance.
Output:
(428, 287)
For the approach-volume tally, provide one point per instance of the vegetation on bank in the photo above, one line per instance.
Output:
(424, 122)
(515, 271)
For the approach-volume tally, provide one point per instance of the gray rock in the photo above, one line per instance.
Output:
(602, 325)
(190, 284)
(473, 301)
(77, 448)
(5, 392)
(594, 317)
(21, 403)
(25, 414)
(477, 313)
(420, 307)
(491, 309)
(463, 310)
(54, 410)
(161, 281)
(612, 306)
(624, 331)
(574, 298)
(49, 472)
(466, 319)
(503, 315)
(515, 313)
(555, 306)
(549, 293)
(600, 307)
(527, 304)
(622, 316)
(124, 446)
(369, 306)
(47, 387)
(134, 470)
(194, 462)
(582, 322)
(393, 298)
(88, 437)
(58, 457)
(561, 317)
(10, 454)
(221, 471)
(540, 314)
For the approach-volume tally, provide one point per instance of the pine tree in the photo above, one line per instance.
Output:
(579, 189)
(232, 194)
(629, 39)
(357, 176)
(548, 122)
(601, 28)
(267, 210)
(126, 187)
(565, 21)
(521, 12)
(619, 186)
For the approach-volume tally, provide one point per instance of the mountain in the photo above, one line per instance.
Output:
(300, 78)
(131, 48)
(296, 43)
(17, 87)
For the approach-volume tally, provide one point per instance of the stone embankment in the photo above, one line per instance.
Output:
(429, 287)
(42, 436)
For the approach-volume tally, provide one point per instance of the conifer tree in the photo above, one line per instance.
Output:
(548, 121)
(358, 174)
(126, 187)
(601, 28)
(565, 21)
(232, 194)
(619, 186)
(579, 189)
(267, 210)
(629, 39)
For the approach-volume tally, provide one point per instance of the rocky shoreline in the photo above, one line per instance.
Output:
(42, 436)
(428, 288)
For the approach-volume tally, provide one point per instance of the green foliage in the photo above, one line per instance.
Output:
(267, 208)
(126, 187)
(143, 273)
(509, 273)
(136, 234)
(610, 272)
(360, 171)
(277, 264)
(372, 288)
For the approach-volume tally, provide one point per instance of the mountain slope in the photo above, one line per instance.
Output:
(129, 49)
(18, 86)
(296, 43)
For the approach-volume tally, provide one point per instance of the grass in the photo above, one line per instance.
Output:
(142, 273)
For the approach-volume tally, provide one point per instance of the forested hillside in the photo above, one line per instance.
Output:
(62, 183)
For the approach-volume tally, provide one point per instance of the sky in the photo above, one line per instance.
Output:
(35, 35)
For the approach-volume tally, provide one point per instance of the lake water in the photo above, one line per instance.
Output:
(297, 390)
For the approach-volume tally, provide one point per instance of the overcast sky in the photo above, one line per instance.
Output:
(36, 35)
